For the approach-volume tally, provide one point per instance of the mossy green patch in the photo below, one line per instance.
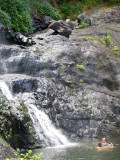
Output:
(81, 81)
(80, 67)
(116, 50)
(83, 24)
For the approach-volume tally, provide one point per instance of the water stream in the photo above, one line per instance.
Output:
(45, 130)
(44, 127)
(5, 90)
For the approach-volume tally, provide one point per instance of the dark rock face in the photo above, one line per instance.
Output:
(41, 23)
(75, 81)
(16, 126)
(6, 150)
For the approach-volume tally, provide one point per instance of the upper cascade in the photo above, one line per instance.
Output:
(6, 91)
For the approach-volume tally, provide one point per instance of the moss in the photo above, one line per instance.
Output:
(86, 38)
(107, 40)
(116, 50)
(71, 85)
(81, 81)
(107, 57)
(80, 67)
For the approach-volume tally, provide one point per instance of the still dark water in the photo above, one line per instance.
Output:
(82, 150)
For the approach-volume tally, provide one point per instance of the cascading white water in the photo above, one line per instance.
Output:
(6, 91)
(45, 129)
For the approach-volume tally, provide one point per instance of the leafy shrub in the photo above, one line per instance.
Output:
(45, 9)
(19, 13)
(70, 10)
(4, 18)
(80, 67)
(107, 40)
(27, 156)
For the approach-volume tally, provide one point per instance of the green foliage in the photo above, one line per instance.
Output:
(116, 50)
(107, 40)
(27, 156)
(92, 3)
(4, 18)
(19, 13)
(45, 9)
(70, 10)
(9, 135)
(113, 2)
(80, 67)
(83, 24)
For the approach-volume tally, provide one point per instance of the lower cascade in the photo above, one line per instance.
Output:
(45, 130)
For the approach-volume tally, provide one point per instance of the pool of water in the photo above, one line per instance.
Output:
(82, 150)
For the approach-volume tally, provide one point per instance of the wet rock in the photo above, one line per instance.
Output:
(18, 38)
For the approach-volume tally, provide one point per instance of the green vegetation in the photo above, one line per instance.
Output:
(4, 18)
(116, 50)
(70, 9)
(106, 42)
(81, 81)
(80, 67)
(87, 38)
(18, 13)
(83, 24)
(91, 3)
(27, 156)
(47, 9)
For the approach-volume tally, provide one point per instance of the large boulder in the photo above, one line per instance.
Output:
(62, 28)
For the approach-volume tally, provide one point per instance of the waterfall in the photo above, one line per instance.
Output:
(5, 90)
(45, 130)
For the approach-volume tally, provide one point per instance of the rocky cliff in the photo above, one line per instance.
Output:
(75, 80)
